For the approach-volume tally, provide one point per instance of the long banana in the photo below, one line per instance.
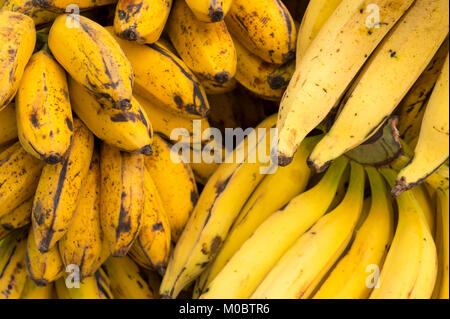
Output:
(93, 58)
(32, 291)
(210, 10)
(17, 38)
(16, 219)
(38, 14)
(329, 65)
(59, 188)
(8, 124)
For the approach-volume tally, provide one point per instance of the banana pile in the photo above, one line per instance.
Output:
(97, 203)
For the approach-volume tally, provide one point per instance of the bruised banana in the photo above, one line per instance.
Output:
(122, 197)
(129, 130)
(166, 82)
(406, 51)
(329, 65)
(209, 10)
(62, 5)
(59, 190)
(94, 287)
(32, 291)
(8, 124)
(16, 219)
(44, 114)
(265, 28)
(17, 40)
(253, 261)
(206, 48)
(141, 20)
(16, 188)
(93, 58)
(38, 14)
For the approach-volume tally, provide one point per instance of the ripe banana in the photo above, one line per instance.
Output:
(121, 198)
(129, 130)
(210, 10)
(173, 180)
(17, 40)
(62, 5)
(16, 219)
(93, 58)
(206, 48)
(59, 188)
(38, 14)
(252, 262)
(433, 144)
(265, 28)
(203, 171)
(405, 52)
(166, 82)
(44, 115)
(410, 269)
(15, 188)
(94, 287)
(141, 20)
(32, 291)
(219, 204)
(329, 65)
(8, 124)
(348, 279)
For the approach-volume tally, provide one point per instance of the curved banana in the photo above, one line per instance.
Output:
(93, 58)
(129, 130)
(210, 10)
(17, 40)
(8, 124)
(406, 52)
(348, 279)
(32, 291)
(61, 5)
(329, 65)
(16, 219)
(433, 144)
(44, 114)
(142, 21)
(121, 197)
(265, 28)
(94, 287)
(59, 190)
(206, 48)
(38, 14)
(17, 188)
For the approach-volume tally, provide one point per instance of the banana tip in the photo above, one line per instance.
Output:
(146, 150)
(318, 168)
(400, 187)
(124, 104)
(284, 160)
(53, 159)
(216, 14)
(222, 77)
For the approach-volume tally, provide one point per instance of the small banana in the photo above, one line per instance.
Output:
(18, 218)
(122, 197)
(59, 190)
(44, 115)
(265, 28)
(93, 58)
(62, 5)
(141, 20)
(129, 130)
(94, 287)
(210, 10)
(17, 40)
(32, 291)
(38, 14)
(8, 124)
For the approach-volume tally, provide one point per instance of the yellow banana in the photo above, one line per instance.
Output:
(203, 171)
(8, 124)
(121, 198)
(16, 188)
(16, 219)
(141, 20)
(17, 38)
(38, 14)
(44, 115)
(329, 65)
(32, 291)
(206, 48)
(433, 144)
(212, 87)
(210, 10)
(93, 58)
(61, 5)
(265, 28)
(59, 188)
(129, 130)
(173, 180)
(94, 287)
(406, 52)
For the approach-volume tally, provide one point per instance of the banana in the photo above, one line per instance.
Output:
(83, 242)
(16, 219)
(433, 144)
(141, 20)
(405, 52)
(129, 130)
(272, 194)
(206, 48)
(8, 124)
(166, 82)
(348, 279)
(126, 279)
(59, 190)
(329, 65)
(38, 14)
(43, 268)
(212, 87)
(265, 28)
(62, 5)
(219, 204)
(17, 38)
(94, 287)
(427, 206)
(93, 58)
(13, 273)
(44, 114)
(203, 171)
(32, 291)
(15, 187)
(410, 269)
(173, 180)
(316, 15)
(210, 10)
(412, 107)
